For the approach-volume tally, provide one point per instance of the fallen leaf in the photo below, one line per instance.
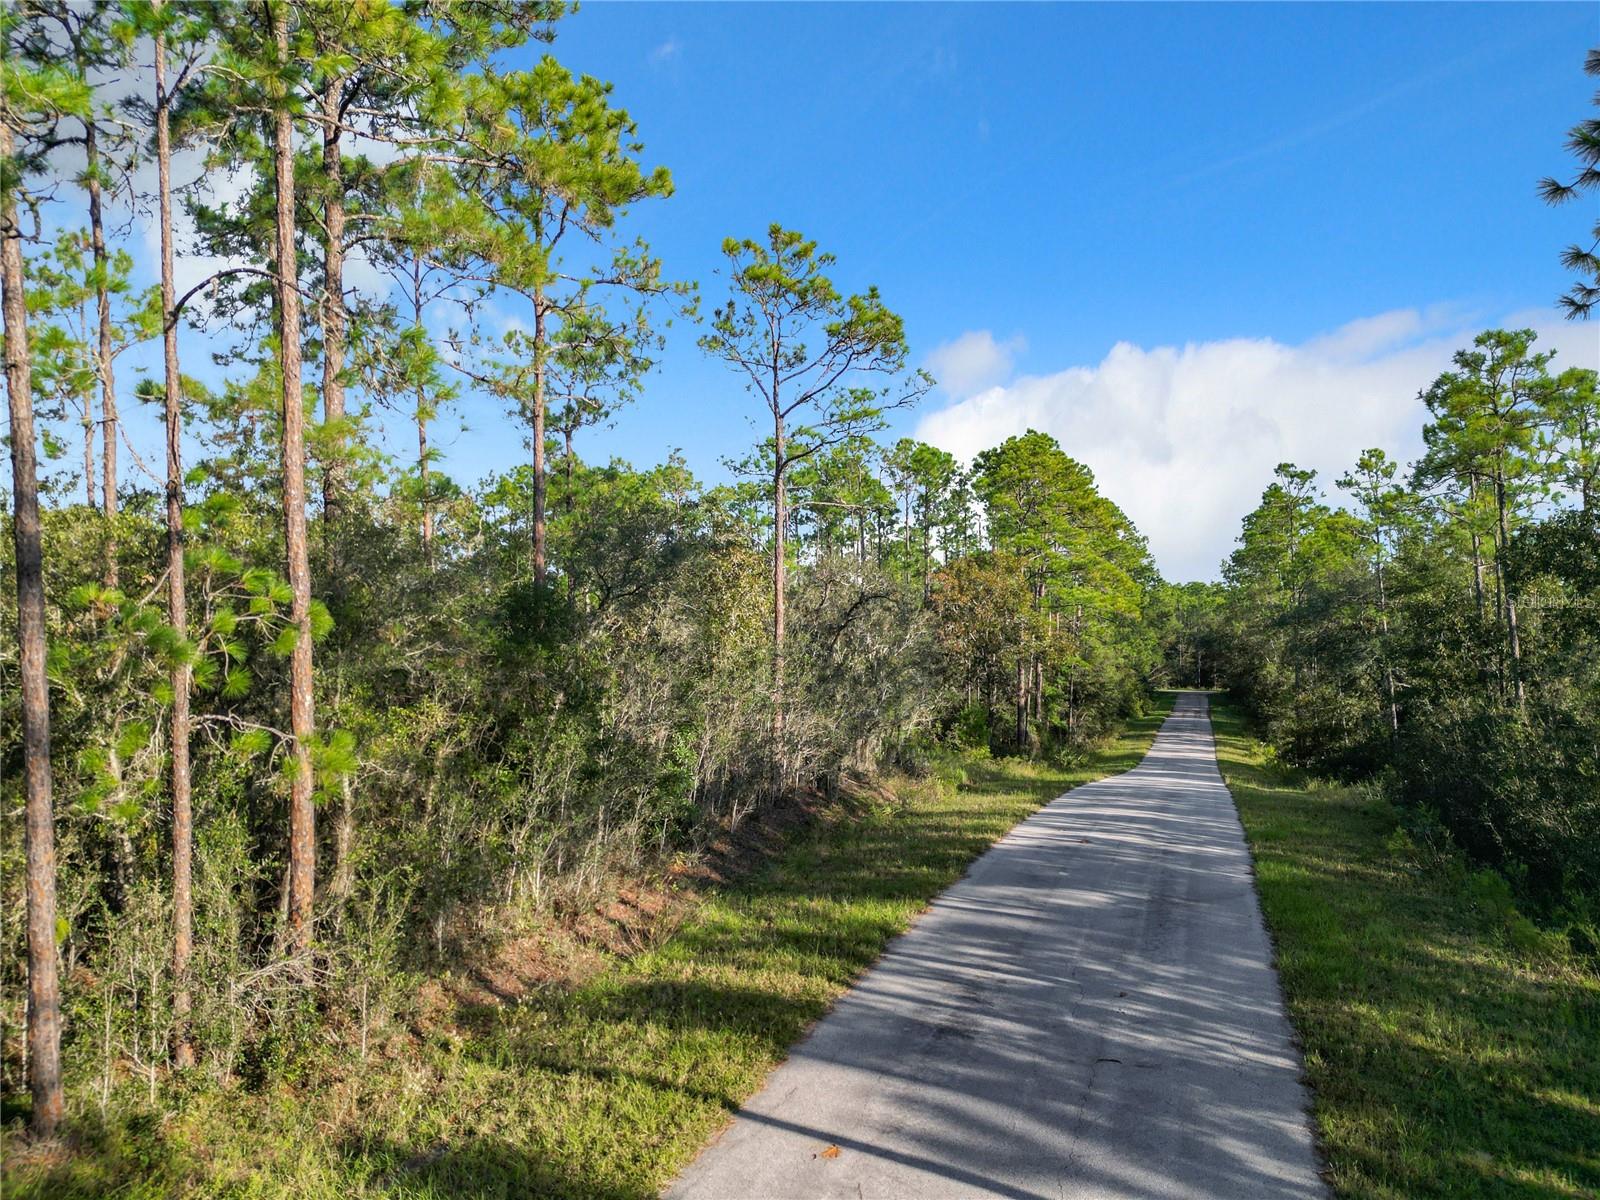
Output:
(830, 1152)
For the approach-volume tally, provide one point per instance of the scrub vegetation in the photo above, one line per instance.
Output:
(300, 731)
(1453, 1047)
(1422, 668)
(602, 1080)
(1439, 637)
(365, 829)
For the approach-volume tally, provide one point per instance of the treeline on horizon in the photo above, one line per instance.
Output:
(1440, 635)
(292, 725)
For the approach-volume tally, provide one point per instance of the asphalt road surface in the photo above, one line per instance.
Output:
(1091, 1012)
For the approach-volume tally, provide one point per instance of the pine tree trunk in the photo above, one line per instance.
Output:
(1586, 448)
(780, 569)
(344, 837)
(302, 815)
(1513, 640)
(177, 600)
(1477, 546)
(1477, 574)
(333, 314)
(424, 481)
(88, 452)
(1388, 668)
(1022, 703)
(104, 358)
(540, 567)
(43, 1035)
(422, 422)
(566, 460)
(927, 560)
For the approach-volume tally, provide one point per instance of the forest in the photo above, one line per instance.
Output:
(294, 722)
(1440, 631)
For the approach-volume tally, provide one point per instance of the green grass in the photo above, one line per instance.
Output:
(604, 1090)
(1452, 1048)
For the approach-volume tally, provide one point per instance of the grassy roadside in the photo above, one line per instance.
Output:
(1453, 1050)
(604, 1090)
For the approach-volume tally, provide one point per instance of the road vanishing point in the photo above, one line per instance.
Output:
(1092, 1012)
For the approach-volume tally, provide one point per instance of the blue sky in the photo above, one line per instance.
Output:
(1063, 199)
(1086, 174)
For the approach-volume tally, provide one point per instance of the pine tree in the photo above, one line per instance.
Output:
(1584, 141)
(97, 42)
(1372, 484)
(807, 352)
(36, 95)
(1487, 415)
(302, 716)
(176, 32)
(550, 167)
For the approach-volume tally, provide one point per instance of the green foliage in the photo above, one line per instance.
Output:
(1452, 1044)
(806, 350)
(601, 1087)
(1583, 140)
(1053, 619)
(496, 749)
(1443, 632)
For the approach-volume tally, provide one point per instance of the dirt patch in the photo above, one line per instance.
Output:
(637, 914)
(734, 852)
(50, 1155)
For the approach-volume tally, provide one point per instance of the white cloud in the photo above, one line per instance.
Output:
(1185, 438)
(667, 50)
(972, 362)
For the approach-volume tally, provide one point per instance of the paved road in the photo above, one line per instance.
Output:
(1091, 1012)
